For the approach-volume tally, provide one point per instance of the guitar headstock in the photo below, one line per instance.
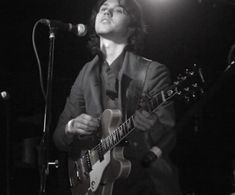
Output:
(190, 84)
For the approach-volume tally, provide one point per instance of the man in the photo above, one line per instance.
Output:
(116, 79)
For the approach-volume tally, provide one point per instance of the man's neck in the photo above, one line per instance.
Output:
(111, 50)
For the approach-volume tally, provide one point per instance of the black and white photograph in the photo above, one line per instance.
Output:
(117, 97)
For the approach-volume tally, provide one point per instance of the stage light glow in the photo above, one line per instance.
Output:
(158, 1)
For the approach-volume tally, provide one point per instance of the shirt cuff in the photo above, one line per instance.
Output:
(68, 136)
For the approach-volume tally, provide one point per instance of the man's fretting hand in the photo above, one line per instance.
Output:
(145, 121)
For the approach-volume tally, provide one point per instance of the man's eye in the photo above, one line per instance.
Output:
(119, 10)
(102, 9)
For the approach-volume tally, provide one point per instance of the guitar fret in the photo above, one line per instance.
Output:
(118, 134)
(130, 124)
(113, 138)
(124, 127)
(103, 144)
(121, 131)
(109, 141)
(100, 152)
(105, 140)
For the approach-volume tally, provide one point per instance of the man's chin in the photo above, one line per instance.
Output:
(104, 33)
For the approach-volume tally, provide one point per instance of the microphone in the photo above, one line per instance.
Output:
(4, 95)
(79, 29)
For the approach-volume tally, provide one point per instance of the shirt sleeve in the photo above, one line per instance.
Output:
(74, 106)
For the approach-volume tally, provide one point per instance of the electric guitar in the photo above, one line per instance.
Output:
(96, 170)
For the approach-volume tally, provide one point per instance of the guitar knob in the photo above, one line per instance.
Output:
(92, 184)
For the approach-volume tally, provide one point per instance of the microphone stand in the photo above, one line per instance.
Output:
(43, 159)
(7, 144)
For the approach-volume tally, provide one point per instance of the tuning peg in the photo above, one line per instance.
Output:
(193, 95)
(195, 85)
(191, 73)
(179, 92)
(187, 98)
(201, 90)
(179, 77)
(176, 83)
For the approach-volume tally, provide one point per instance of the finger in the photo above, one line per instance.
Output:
(83, 132)
(144, 113)
(141, 118)
(85, 122)
(76, 128)
(81, 129)
(139, 123)
(144, 121)
(89, 120)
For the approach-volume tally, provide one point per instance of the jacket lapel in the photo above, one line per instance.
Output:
(94, 98)
(125, 78)
(131, 80)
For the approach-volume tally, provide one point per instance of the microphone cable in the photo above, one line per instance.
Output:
(38, 60)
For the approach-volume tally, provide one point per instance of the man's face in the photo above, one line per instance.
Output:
(112, 21)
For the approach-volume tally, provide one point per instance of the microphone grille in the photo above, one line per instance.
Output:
(81, 30)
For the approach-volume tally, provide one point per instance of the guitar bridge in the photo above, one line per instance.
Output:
(100, 152)
(88, 161)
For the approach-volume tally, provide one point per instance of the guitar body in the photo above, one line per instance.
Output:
(97, 175)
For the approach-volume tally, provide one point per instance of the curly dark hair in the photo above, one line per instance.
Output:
(136, 39)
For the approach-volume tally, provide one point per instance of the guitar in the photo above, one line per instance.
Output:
(97, 169)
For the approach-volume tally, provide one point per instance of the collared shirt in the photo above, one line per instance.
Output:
(109, 78)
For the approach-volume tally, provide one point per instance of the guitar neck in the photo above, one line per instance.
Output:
(117, 135)
(127, 127)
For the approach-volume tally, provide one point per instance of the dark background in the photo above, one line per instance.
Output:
(181, 33)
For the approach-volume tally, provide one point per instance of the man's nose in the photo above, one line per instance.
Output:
(108, 12)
